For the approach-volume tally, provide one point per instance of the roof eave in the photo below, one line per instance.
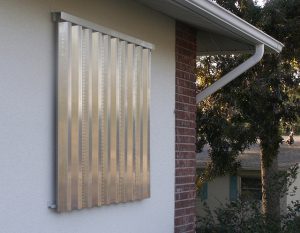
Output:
(237, 28)
(228, 19)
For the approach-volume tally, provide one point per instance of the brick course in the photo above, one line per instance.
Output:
(185, 114)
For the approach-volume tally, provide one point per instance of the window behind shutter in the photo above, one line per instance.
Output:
(233, 192)
(102, 116)
(204, 192)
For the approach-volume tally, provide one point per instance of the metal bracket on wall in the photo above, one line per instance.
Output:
(51, 205)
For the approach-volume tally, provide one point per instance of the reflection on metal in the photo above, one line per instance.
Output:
(103, 119)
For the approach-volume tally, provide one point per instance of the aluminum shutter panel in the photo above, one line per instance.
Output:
(102, 118)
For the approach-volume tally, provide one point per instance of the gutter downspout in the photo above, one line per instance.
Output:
(254, 59)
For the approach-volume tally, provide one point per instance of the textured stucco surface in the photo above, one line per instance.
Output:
(27, 140)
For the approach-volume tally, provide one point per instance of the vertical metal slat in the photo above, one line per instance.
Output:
(113, 122)
(145, 122)
(101, 104)
(63, 137)
(129, 122)
(138, 121)
(122, 98)
(75, 118)
(148, 128)
(96, 69)
(87, 118)
(106, 120)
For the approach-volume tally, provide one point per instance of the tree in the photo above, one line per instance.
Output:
(254, 106)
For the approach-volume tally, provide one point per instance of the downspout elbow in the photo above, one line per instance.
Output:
(254, 59)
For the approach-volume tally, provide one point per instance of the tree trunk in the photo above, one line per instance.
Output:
(270, 192)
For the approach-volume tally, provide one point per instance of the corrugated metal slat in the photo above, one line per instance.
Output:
(63, 138)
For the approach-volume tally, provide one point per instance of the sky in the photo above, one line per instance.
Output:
(260, 2)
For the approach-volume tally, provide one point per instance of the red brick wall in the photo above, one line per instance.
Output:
(185, 115)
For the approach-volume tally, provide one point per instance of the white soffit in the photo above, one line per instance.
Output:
(219, 30)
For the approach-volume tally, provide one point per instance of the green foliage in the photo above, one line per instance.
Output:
(245, 216)
(281, 19)
(258, 105)
(262, 101)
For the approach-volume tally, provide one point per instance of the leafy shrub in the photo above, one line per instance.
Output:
(245, 216)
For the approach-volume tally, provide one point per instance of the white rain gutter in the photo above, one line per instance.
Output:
(254, 59)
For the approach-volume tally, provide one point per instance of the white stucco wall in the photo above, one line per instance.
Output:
(27, 139)
(217, 194)
(218, 191)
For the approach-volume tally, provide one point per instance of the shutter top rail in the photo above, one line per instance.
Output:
(65, 17)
